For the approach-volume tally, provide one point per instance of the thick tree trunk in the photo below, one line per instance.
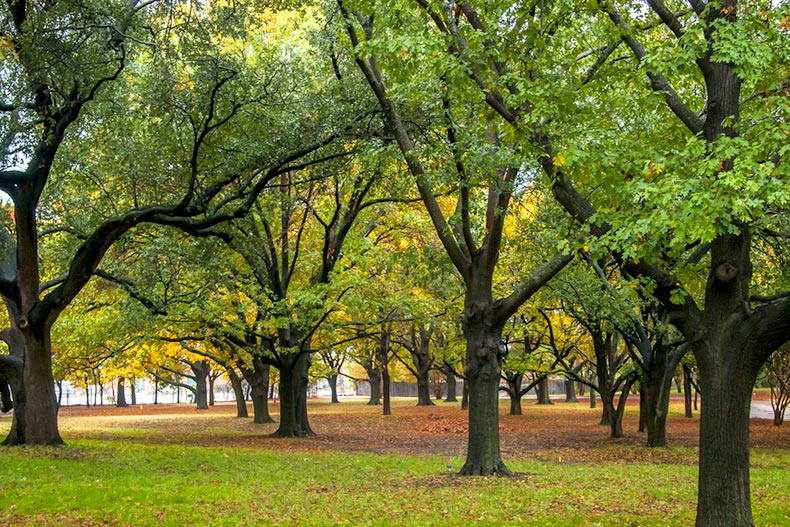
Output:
(424, 389)
(465, 395)
(514, 381)
(35, 420)
(120, 399)
(543, 391)
(258, 380)
(484, 353)
(201, 371)
(332, 379)
(293, 396)
(238, 393)
(570, 391)
(374, 379)
(452, 386)
(724, 488)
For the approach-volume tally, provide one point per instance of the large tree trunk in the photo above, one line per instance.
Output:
(484, 354)
(724, 487)
(120, 399)
(450, 379)
(332, 379)
(570, 391)
(293, 396)
(374, 379)
(238, 393)
(258, 380)
(421, 357)
(201, 371)
(514, 381)
(35, 420)
(543, 391)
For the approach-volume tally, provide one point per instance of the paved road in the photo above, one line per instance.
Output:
(762, 410)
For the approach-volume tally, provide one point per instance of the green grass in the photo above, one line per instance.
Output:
(109, 483)
(106, 477)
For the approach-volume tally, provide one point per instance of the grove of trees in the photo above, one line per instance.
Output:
(500, 191)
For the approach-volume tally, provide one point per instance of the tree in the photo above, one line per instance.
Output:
(473, 159)
(779, 381)
(59, 73)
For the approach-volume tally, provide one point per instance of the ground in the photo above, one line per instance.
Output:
(566, 430)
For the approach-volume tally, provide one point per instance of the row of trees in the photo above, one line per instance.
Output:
(248, 174)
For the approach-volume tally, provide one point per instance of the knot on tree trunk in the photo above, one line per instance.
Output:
(726, 272)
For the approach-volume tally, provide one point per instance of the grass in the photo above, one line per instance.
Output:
(123, 480)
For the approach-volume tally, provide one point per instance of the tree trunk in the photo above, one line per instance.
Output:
(258, 381)
(385, 391)
(201, 373)
(687, 391)
(424, 389)
(514, 381)
(724, 492)
(452, 386)
(133, 391)
(35, 420)
(543, 391)
(120, 399)
(333, 387)
(465, 395)
(156, 391)
(484, 354)
(293, 396)
(60, 393)
(374, 379)
(211, 380)
(570, 391)
(238, 393)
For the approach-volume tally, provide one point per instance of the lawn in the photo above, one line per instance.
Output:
(172, 465)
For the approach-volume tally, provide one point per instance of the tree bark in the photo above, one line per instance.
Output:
(484, 354)
(543, 391)
(238, 392)
(258, 381)
(374, 379)
(35, 420)
(570, 391)
(200, 369)
(133, 391)
(120, 399)
(687, 391)
(332, 379)
(724, 487)
(514, 381)
(293, 396)
(450, 379)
